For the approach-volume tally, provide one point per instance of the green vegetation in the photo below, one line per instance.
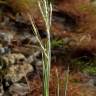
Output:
(46, 10)
(90, 70)
(57, 43)
(85, 64)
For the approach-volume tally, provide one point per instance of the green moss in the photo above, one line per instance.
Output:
(84, 63)
(57, 43)
(90, 70)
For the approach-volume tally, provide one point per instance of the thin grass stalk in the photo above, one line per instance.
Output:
(46, 13)
(66, 82)
(46, 10)
(37, 36)
(46, 74)
(58, 82)
(45, 60)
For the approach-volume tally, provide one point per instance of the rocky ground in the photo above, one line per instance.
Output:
(73, 44)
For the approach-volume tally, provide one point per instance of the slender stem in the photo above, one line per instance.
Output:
(58, 82)
(36, 34)
(66, 83)
(46, 10)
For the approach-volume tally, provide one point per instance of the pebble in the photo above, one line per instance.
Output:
(17, 72)
(30, 59)
(18, 64)
(4, 50)
(1, 90)
(19, 89)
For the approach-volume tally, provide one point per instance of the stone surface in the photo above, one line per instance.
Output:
(19, 89)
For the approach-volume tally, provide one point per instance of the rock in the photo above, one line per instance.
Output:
(17, 72)
(30, 59)
(1, 90)
(34, 40)
(26, 50)
(13, 58)
(19, 89)
(6, 82)
(66, 40)
(3, 63)
(6, 36)
(90, 83)
(33, 57)
(4, 50)
(36, 53)
(19, 18)
(39, 66)
(29, 40)
(18, 56)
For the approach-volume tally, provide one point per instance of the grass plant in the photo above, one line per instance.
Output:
(45, 7)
